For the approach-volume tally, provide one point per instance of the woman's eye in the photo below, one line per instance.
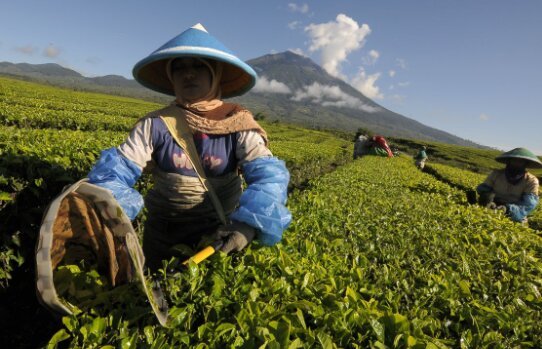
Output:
(186, 67)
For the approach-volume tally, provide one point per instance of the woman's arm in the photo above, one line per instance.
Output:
(487, 185)
(262, 204)
(520, 210)
(119, 168)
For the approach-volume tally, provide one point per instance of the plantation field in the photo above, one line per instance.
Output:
(50, 137)
(379, 254)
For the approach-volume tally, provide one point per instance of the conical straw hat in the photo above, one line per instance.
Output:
(237, 76)
(521, 153)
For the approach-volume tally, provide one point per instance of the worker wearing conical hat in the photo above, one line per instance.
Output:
(195, 149)
(512, 189)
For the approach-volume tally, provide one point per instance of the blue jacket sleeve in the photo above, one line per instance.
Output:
(484, 188)
(118, 174)
(262, 204)
(520, 210)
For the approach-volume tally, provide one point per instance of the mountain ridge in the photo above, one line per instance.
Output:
(310, 96)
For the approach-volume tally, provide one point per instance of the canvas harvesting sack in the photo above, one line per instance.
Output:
(86, 223)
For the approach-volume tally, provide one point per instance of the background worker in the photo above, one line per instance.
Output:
(361, 144)
(421, 158)
(198, 71)
(512, 189)
(379, 146)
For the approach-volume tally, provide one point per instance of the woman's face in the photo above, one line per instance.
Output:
(517, 163)
(191, 79)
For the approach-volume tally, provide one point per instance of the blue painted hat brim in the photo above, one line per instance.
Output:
(237, 77)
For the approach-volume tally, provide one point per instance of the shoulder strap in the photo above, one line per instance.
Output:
(178, 127)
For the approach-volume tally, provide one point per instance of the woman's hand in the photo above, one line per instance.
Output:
(236, 236)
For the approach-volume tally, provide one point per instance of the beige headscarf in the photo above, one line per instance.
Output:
(212, 99)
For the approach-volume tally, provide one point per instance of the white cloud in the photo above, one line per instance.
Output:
(331, 96)
(264, 85)
(51, 51)
(293, 25)
(371, 58)
(398, 99)
(366, 84)
(484, 117)
(304, 8)
(335, 40)
(26, 50)
(391, 73)
(297, 51)
(401, 63)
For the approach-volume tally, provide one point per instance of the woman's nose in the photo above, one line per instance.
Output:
(189, 73)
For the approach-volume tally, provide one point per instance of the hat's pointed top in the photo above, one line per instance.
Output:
(199, 26)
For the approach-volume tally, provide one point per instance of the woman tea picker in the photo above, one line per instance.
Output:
(195, 148)
(512, 189)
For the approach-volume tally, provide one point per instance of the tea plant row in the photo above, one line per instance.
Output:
(467, 180)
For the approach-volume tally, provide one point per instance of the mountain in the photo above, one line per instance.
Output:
(319, 99)
(291, 88)
(48, 69)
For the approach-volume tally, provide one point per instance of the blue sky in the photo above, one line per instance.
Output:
(471, 68)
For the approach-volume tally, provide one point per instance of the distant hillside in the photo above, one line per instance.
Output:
(56, 75)
(297, 91)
